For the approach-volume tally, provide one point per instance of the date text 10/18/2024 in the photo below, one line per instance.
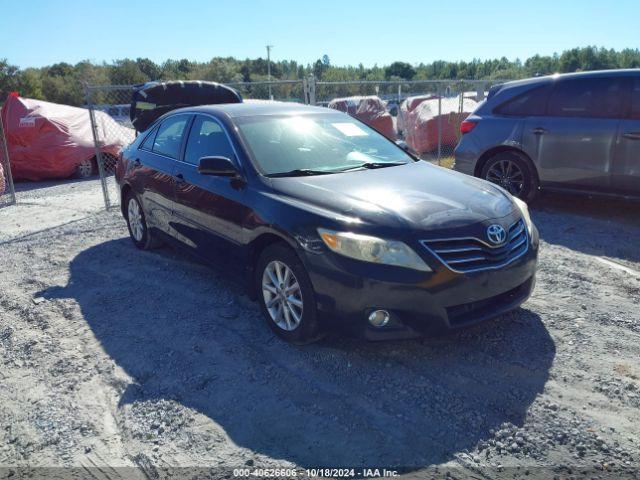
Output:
(315, 472)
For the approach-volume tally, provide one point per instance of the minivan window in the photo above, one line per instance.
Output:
(169, 137)
(530, 103)
(588, 97)
(206, 139)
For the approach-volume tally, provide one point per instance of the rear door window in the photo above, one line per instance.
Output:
(589, 97)
(206, 139)
(147, 144)
(169, 137)
(530, 103)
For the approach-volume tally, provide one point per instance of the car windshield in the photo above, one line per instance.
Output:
(316, 144)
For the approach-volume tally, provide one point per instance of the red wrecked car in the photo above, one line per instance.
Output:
(370, 110)
(48, 140)
(421, 125)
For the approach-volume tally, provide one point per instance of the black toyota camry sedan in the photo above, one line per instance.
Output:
(336, 225)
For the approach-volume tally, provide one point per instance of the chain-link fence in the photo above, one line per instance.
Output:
(281, 90)
(109, 107)
(7, 190)
(425, 114)
(112, 130)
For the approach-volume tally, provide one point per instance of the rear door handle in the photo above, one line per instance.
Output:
(136, 162)
(632, 135)
(539, 131)
(179, 178)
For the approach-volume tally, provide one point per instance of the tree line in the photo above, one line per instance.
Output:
(63, 82)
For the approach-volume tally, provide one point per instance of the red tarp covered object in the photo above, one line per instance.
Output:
(2, 180)
(421, 125)
(408, 106)
(371, 110)
(48, 140)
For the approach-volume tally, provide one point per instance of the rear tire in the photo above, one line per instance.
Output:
(141, 236)
(286, 296)
(513, 172)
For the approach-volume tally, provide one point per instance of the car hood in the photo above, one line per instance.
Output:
(418, 195)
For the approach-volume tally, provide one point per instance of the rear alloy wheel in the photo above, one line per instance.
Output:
(286, 296)
(140, 234)
(513, 173)
(85, 169)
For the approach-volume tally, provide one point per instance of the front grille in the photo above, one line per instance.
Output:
(470, 254)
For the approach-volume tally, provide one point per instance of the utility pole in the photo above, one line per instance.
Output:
(269, 47)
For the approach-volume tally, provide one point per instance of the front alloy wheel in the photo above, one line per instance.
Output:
(286, 295)
(282, 295)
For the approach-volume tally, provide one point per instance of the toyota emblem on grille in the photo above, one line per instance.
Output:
(496, 234)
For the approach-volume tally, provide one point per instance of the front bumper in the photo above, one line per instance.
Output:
(419, 303)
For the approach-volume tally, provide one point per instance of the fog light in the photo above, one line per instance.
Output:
(379, 318)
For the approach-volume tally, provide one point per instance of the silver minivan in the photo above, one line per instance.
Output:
(576, 132)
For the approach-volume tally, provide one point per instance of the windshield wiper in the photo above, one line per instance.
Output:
(299, 172)
(372, 165)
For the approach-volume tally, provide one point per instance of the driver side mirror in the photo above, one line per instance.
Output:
(217, 166)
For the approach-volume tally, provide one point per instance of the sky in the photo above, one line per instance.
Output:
(35, 33)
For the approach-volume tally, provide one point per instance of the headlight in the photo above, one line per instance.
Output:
(524, 209)
(372, 249)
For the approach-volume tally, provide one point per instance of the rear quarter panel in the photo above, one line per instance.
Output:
(490, 132)
(493, 131)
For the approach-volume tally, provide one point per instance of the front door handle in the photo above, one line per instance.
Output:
(539, 131)
(136, 162)
(179, 178)
(632, 135)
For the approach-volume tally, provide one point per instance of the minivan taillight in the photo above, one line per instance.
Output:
(466, 126)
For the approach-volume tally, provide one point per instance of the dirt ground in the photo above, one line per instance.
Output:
(120, 363)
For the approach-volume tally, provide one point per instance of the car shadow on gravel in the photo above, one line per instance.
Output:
(186, 335)
(595, 226)
(27, 185)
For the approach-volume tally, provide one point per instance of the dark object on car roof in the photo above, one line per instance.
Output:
(154, 99)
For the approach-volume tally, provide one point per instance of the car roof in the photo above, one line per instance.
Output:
(252, 108)
(561, 76)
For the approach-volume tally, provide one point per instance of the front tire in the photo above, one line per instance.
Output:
(286, 296)
(140, 234)
(514, 173)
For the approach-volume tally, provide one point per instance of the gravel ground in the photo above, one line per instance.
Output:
(121, 363)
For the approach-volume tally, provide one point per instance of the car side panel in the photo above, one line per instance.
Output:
(572, 151)
(625, 171)
(151, 177)
(209, 213)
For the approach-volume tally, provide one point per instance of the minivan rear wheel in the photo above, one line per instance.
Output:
(286, 295)
(512, 172)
